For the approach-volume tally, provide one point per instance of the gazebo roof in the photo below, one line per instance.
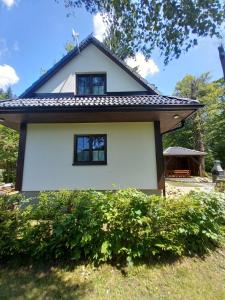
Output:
(180, 151)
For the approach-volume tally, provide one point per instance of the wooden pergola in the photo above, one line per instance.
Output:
(183, 162)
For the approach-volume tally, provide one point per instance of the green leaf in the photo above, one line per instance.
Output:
(138, 212)
(105, 247)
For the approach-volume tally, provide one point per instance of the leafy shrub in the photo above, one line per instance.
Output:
(220, 186)
(111, 226)
(10, 221)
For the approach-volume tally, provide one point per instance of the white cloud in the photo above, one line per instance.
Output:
(9, 3)
(8, 76)
(144, 67)
(100, 27)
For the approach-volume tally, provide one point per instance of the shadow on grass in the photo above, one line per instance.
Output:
(162, 261)
(40, 282)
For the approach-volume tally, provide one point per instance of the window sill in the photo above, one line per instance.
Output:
(89, 163)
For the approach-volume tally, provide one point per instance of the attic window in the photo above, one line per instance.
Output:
(91, 84)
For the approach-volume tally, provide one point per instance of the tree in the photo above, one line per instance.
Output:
(205, 131)
(222, 58)
(6, 94)
(9, 140)
(114, 41)
(171, 26)
(69, 46)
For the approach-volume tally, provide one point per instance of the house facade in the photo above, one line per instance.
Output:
(91, 122)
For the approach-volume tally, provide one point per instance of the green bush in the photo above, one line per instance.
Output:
(10, 222)
(113, 226)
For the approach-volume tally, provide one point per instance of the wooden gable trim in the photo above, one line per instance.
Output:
(159, 157)
(72, 54)
(122, 66)
(21, 157)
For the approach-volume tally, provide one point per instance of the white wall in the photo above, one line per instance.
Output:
(90, 60)
(49, 157)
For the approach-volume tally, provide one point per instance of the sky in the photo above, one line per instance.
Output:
(33, 34)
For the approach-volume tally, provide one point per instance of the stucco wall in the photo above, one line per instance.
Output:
(49, 157)
(90, 60)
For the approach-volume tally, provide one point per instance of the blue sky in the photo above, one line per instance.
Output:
(33, 34)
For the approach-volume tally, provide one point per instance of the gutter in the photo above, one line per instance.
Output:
(101, 108)
(182, 123)
(176, 128)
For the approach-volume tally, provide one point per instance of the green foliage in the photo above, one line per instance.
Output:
(114, 226)
(69, 46)
(170, 26)
(9, 140)
(210, 121)
(10, 220)
(6, 94)
(114, 41)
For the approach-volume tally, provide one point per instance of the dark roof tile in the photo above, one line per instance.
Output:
(97, 101)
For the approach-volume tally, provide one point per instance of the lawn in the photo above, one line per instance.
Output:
(189, 278)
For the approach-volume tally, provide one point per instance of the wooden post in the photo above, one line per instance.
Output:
(159, 157)
(21, 156)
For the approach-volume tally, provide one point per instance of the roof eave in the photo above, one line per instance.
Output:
(36, 109)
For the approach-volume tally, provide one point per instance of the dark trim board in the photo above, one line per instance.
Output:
(72, 54)
(53, 95)
(159, 157)
(21, 157)
(61, 95)
(135, 76)
(102, 108)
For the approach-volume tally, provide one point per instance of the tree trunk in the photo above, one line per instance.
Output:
(222, 58)
(199, 132)
(200, 146)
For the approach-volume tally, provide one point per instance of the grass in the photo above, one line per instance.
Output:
(189, 278)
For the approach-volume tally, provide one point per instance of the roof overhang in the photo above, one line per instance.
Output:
(148, 113)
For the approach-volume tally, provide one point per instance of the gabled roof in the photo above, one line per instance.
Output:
(180, 151)
(67, 58)
(153, 101)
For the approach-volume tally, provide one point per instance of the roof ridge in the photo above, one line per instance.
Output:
(70, 55)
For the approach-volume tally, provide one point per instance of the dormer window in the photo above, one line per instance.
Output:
(91, 84)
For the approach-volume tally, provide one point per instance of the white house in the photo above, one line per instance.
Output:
(91, 122)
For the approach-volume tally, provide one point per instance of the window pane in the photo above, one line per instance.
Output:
(98, 85)
(84, 85)
(98, 155)
(98, 148)
(83, 153)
